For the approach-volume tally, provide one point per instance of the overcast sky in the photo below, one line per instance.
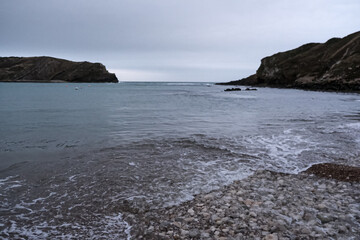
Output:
(171, 40)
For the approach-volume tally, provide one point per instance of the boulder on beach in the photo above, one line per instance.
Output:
(49, 69)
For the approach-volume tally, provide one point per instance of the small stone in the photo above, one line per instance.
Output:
(191, 212)
(239, 192)
(273, 236)
(164, 226)
(208, 196)
(268, 203)
(214, 217)
(308, 216)
(184, 232)
(206, 215)
(205, 235)
(194, 233)
(319, 230)
(305, 231)
(325, 218)
(321, 206)
(248, 202)
(235, 215)
(342, 229)
(177, 224)
(150, 229)
(252, 214)
(281, 225)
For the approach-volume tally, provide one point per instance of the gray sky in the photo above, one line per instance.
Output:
(171, 40)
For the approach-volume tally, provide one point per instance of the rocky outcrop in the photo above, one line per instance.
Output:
(333, 65)
(48, 69)
(232, 89)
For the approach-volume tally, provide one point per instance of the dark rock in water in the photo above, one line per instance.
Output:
(48, 69)
(232, 89)
(334, 66)
(250, 89)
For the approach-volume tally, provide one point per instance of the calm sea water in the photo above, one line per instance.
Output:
(72, 161)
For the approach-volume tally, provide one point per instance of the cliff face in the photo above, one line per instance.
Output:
(48, 69)
(334, 65)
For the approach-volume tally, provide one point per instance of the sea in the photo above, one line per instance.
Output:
(74, 158)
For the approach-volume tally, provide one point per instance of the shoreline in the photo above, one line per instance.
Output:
(292, 87)
(267, 205)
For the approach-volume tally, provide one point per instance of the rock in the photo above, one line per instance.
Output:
(208, 196)
(205, 235)
(150, 229)
(342, 229)
(232, 89)
(49, 69)
(189, 219)
(248, 202)
(273, 236)
(164, 226)
(252, 214)
(191, 212)
(214, 218)
(314, 66)
(308, 216)
(184, 232)
(336, 171)
(250, 89)
(305, 231)
(325, 218)
(177, 224)
(194, 233)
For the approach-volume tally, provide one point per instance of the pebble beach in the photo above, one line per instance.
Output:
(266, 205)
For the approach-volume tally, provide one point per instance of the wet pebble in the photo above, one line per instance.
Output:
(266, 206)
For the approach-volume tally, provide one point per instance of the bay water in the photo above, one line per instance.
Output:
(75, 157)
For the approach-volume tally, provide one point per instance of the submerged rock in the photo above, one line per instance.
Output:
(334, 66)
(49, 69)
(232, 89)
(250, 89)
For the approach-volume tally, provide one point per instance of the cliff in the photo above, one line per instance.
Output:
(48, 69)
(333, 65)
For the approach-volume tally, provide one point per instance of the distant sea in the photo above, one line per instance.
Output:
(75, 157)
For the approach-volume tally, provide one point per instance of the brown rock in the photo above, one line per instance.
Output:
(335, 171)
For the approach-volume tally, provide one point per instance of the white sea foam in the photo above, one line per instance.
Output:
(72, 178)
(282, 152)
(4, 180)
(114, 226)
(353, 125)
